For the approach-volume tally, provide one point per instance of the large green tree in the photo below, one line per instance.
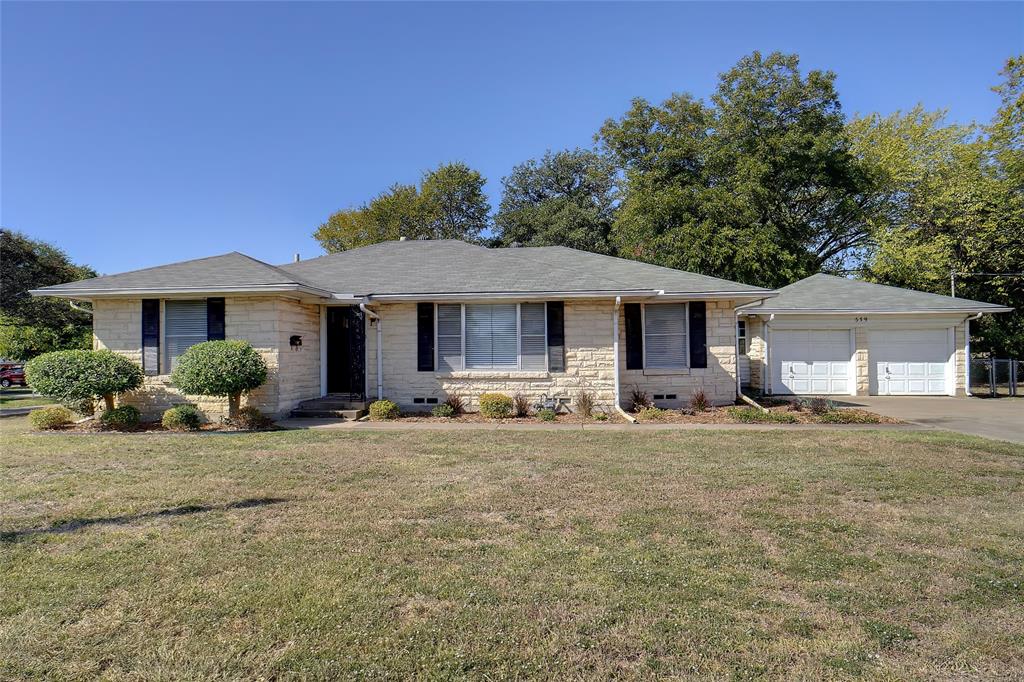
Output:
(566, 198)
(951, 202)
(30, 326)
(449, 204)
(759, 185)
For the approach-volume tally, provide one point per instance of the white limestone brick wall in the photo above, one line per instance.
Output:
(266, 322)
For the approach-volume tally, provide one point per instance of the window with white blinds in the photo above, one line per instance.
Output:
(184, 327)
(449, 336)
(533, 345)
(665, 343)
(491, 336)
(480, 336)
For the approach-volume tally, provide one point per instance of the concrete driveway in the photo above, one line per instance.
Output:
(999, 418)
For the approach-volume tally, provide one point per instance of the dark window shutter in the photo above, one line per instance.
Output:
(425, 337)
(556, 336)
(698, 334)
(215, 319)
(634, 336)
(151, 336)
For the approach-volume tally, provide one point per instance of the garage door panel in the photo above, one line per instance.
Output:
(809, 361)
(909, 361)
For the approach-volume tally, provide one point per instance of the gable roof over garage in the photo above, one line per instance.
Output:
(824, 294)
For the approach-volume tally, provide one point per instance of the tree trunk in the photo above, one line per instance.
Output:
(108, 401)
(233, 401)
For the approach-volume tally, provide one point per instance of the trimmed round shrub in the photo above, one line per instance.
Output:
(120, 418)
(546, 414)
(443, 410)
(495, 406)
(249, 418)
(384, 410)
(74, 376)
(182, 418)
(220, 368)
(51, 417)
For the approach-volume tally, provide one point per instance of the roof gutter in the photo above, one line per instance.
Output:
(747, 309)
(158, 291)
(560, 295)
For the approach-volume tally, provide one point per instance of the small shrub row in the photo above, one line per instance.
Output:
(752, 415)
(848, 417)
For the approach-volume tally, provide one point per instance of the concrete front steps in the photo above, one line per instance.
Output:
(330, 407)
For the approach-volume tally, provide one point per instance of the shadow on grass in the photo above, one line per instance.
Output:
(184, 510)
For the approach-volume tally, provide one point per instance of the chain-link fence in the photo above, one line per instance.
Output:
(995, 378)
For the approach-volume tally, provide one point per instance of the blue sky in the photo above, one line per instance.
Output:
(135, 134)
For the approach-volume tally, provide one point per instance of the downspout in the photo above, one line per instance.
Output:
(380, 350)
(736, 348)
(79, 308)
(967, 354)
(615, 360)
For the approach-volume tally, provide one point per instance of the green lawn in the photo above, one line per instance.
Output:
(314, 554)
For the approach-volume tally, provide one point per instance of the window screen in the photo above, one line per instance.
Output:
(665, 345)
(184, 327)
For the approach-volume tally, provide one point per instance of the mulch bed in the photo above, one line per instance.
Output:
(94, 427)
(712, 415)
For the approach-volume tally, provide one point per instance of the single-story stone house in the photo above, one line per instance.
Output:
(415, 321)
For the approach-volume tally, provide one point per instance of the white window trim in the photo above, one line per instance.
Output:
(519, 343)
(643, 331)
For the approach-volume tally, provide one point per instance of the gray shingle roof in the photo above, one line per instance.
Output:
(230, 270)
(826, 293)
(451, 266)
(419, 267)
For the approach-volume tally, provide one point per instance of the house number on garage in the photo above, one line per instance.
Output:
(860, 319)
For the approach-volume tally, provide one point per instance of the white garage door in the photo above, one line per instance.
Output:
(811, 361)
(909, 361)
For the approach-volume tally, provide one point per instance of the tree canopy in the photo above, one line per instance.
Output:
(566, 198)
(449, 204)
(766, 182)
(950, 200)
(30, 326)
(759, 185)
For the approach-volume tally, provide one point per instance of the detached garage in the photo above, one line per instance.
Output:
(828, 335)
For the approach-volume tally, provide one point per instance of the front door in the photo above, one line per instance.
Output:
(346, 351)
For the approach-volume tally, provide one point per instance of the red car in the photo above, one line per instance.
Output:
(12, 375)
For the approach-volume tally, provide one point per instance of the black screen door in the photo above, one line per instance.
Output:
(346, 350)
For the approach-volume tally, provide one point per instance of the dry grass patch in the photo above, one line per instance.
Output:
(318, 554)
